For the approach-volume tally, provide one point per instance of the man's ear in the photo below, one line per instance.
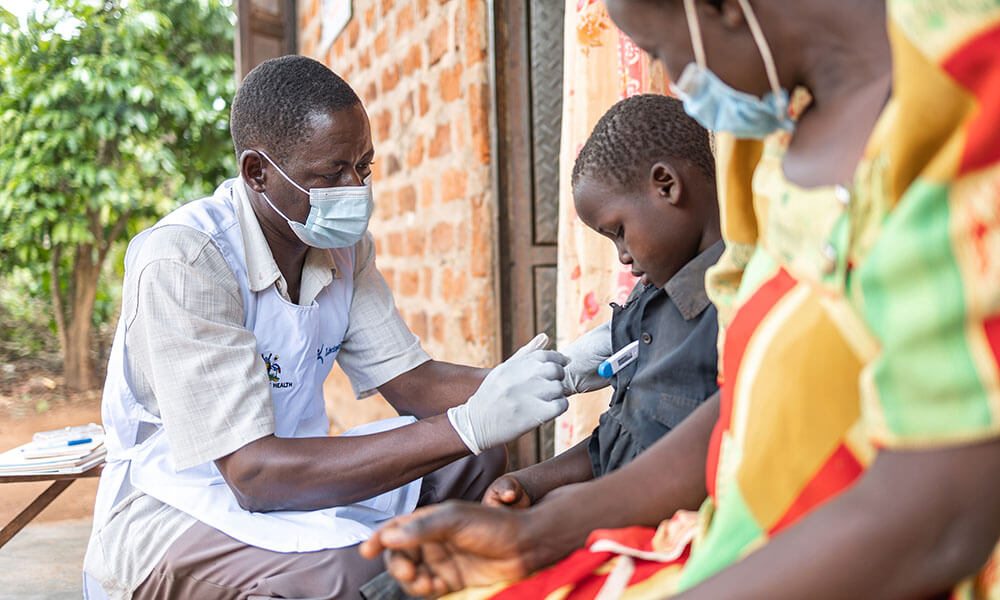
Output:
(665, 182)
(252, 169)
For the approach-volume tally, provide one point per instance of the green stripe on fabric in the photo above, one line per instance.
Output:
(733, 528)
(914, 302)
(759, 269)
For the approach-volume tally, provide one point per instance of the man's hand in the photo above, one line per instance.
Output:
(520, 394)
(447, 547)
(507, 492)
(586, 353)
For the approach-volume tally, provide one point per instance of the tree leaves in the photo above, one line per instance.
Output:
(108, 109)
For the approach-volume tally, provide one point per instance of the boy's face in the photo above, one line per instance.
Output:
(653, 234)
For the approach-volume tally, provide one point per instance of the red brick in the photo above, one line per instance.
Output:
(479, 122)
(370, 93)
(422, 9)
(475, 45)
(452, 285)
(392, 165)
(427, 279)
(404, 19)
(443, 238)
(390, 78)
(386, 6)
(365, 59)
(340, 46)
(450, 83)
(409, 283)
(427, 192)
(425, 104)
(416, 241)
(438, 328)
(406, 200)
(465, 322)
(418, 324)
(385, 202)
(406, 109)
(381, 43)
(353, 31)
(441, 142)
(369, 17)
(382, 124)
(481, 246)
(389, 275)
(413, 60)
(453, 185)
(437, 43)
(395, 243)
(416, 154)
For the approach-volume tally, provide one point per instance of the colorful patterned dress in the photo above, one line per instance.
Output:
(850, 319)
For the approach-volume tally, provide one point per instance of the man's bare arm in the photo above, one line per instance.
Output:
(916, 523)
(454, 545)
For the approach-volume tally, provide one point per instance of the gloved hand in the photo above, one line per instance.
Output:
(518, 395)
(585, 354)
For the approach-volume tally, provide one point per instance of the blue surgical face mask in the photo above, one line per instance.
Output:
(720, 107)
(338, 216)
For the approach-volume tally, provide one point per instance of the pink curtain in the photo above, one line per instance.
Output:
(601, 66)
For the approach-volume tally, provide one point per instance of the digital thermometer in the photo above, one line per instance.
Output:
(619, 360)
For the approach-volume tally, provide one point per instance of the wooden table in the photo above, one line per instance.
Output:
(59, 485)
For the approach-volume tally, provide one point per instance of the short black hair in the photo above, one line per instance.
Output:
(638, 131)
(275, 98)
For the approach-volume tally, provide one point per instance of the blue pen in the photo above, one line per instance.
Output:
(78, 442)
(619, 360)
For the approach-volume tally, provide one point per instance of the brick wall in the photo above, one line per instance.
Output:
(421, 69)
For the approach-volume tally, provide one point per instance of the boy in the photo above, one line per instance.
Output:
(645, 180)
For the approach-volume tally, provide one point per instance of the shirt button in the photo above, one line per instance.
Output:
(646, 338)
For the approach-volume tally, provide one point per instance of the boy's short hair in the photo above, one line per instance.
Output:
(272, 103)
(638, 131)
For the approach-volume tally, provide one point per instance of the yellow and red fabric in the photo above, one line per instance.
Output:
(859, 318)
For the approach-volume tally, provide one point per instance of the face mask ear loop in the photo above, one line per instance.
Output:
(275, 165)
(695, 29)
(765, 51)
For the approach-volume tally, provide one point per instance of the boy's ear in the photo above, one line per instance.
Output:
(665, 182)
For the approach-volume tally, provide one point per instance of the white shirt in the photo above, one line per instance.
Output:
(192, 363)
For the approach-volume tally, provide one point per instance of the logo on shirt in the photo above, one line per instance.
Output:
(322, 352)
(274, 371)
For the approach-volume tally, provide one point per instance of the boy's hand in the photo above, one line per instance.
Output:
(586, 353)
(507, 492)
(518, 395)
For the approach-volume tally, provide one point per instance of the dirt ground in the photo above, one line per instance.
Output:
(37, 402)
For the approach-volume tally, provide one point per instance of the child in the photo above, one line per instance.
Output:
(645, 180)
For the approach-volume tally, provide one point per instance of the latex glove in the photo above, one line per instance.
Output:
(518, 395)
(585, 354)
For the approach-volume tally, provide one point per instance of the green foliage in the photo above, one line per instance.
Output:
(111, 114)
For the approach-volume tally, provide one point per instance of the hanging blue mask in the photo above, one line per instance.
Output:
(717, 105)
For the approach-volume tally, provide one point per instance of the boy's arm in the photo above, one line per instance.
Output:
(524, 488)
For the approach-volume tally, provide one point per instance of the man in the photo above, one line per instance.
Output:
(221, 481)
(852, 452)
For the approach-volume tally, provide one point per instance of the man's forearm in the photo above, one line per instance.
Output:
(310, 473)
(432, 388)
(916, 524)
(668, 476)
